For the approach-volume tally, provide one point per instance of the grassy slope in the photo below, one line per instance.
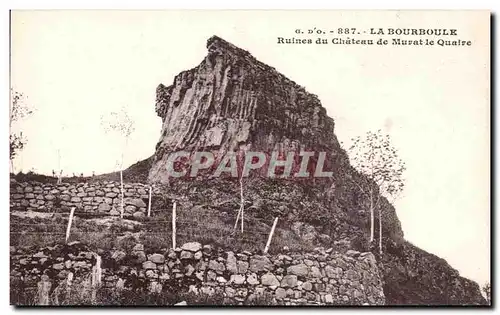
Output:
(194, 223)
(411, 275)
(136, 173)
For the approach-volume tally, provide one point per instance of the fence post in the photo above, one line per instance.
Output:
(380, 231)
(43, 290)
(237, 219)
(173, 225)
(270, 236)
(59, 178)
(242, 217)
(96, 277)
(240, 211)
(68, 229)
(149, 203)
(98, 270)
(121, 193)
(242, 206)
(69, 282)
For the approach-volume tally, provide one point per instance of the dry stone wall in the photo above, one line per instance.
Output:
(318, 278)
(99, 197)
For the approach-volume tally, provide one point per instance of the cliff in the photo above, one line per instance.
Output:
(233, 102)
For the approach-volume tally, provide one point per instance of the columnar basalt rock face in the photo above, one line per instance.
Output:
(319, 278)
(233, 102)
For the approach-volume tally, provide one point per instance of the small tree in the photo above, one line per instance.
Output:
(374, 156)
(487, 292)
(17, 143)
(121, 124)
(19, 109)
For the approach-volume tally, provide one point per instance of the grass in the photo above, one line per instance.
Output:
(194, 223)
(80, 294)
(206, 213)
(206, 218)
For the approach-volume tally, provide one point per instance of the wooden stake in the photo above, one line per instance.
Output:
(96, 277)
(240, 211)
(68, 229)
(43, 290)
(98, 270)
(242, 218)
(69, 282)
(270, 236)
(121, 192)
(380, 230)
(149, 203)
(242, 201)
(173, 224)
(237, 219)
(372, 218)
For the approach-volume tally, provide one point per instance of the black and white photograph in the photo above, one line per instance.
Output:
(258, 158)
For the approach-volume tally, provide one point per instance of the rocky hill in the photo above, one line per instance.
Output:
(233, 102)
(230, 102)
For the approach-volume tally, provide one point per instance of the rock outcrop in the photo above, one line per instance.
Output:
(230, 102)
(415, 277)
(233, 102)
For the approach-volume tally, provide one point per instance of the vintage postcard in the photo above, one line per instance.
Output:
(250, 158)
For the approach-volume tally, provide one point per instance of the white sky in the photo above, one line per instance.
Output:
(434, 101)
